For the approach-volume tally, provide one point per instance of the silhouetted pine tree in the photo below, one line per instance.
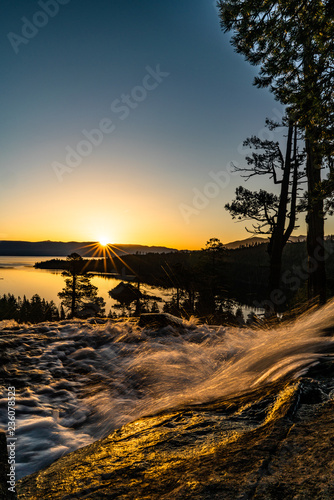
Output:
(273, 215)
(79, 292)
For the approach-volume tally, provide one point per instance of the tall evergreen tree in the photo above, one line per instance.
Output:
(292, 41)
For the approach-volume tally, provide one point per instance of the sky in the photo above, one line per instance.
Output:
(120, 121)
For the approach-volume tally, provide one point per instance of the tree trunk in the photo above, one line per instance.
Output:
(277, 240)
(293, 203)
(315, 214)
(73, 295)
(275, 268)
(316, 230)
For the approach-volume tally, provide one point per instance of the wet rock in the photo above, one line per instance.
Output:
(272, 443)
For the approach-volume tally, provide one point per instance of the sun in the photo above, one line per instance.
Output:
(103, 241)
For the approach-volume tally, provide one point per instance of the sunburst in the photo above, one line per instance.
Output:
(103, 241)
(105, 250)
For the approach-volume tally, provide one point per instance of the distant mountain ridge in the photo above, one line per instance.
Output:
(257, 240)
(62, 249)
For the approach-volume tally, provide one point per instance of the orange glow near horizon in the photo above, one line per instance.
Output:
(121, 207)
(191, 243)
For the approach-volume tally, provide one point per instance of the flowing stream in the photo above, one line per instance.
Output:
(76, 381)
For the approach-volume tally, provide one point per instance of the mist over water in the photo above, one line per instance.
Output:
(77, 381)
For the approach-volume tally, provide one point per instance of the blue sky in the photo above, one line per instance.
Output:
(140, 183)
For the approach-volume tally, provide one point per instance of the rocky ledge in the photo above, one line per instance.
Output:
(275, 442)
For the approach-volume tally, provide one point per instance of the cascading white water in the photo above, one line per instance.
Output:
(76, 381)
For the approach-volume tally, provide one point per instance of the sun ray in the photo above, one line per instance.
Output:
(110, 247)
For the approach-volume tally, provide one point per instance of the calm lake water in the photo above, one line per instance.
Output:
(19, 277)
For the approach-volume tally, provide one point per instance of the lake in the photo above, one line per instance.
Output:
(19, 277)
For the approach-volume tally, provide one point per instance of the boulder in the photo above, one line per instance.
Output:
(155, 321)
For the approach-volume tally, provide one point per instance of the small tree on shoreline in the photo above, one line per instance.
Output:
(79, 293)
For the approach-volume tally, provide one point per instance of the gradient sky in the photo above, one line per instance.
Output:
(137, 184)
